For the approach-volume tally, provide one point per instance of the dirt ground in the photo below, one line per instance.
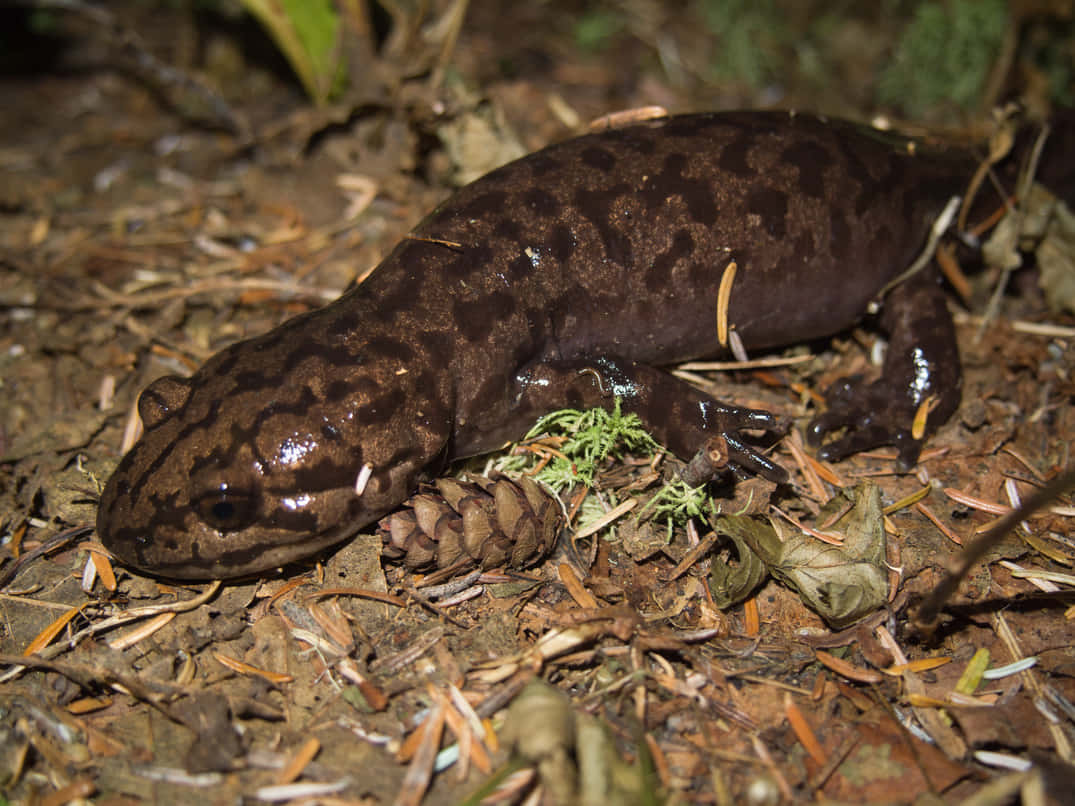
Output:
(142, 229)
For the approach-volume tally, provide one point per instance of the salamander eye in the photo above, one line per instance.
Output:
(227, 509)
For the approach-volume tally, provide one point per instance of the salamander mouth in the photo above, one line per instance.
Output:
(226, 532)
(196, 563)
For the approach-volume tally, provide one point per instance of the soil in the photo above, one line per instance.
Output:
(145, 223)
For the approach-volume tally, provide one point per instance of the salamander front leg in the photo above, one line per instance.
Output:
(699, 429)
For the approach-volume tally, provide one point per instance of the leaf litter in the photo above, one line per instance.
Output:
(654, 658)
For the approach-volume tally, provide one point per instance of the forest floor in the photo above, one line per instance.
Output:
(136, 241)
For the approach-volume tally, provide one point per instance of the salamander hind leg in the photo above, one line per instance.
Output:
(921, 368)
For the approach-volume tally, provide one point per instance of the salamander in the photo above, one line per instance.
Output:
(565, 278)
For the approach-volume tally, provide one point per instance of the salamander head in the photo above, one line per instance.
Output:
(245, 467)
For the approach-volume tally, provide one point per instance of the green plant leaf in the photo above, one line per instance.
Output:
(731, 584)
(307, 32)
(841, 583)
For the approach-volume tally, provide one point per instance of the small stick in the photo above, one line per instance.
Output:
(925, 616)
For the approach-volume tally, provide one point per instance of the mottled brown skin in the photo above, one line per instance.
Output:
(559, 280)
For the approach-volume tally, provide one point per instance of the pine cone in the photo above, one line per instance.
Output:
(490, 522)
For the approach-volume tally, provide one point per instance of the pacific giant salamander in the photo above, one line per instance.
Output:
(561, 279)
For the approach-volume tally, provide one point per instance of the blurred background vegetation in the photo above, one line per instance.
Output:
(923, 59)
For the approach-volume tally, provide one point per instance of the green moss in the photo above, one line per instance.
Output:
(752, 38)
(676, 503)
(592, 437)
(594, 31)
(944, 56)
(1050, 48)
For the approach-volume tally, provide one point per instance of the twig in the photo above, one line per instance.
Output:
(167, 78)
(925, 616)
